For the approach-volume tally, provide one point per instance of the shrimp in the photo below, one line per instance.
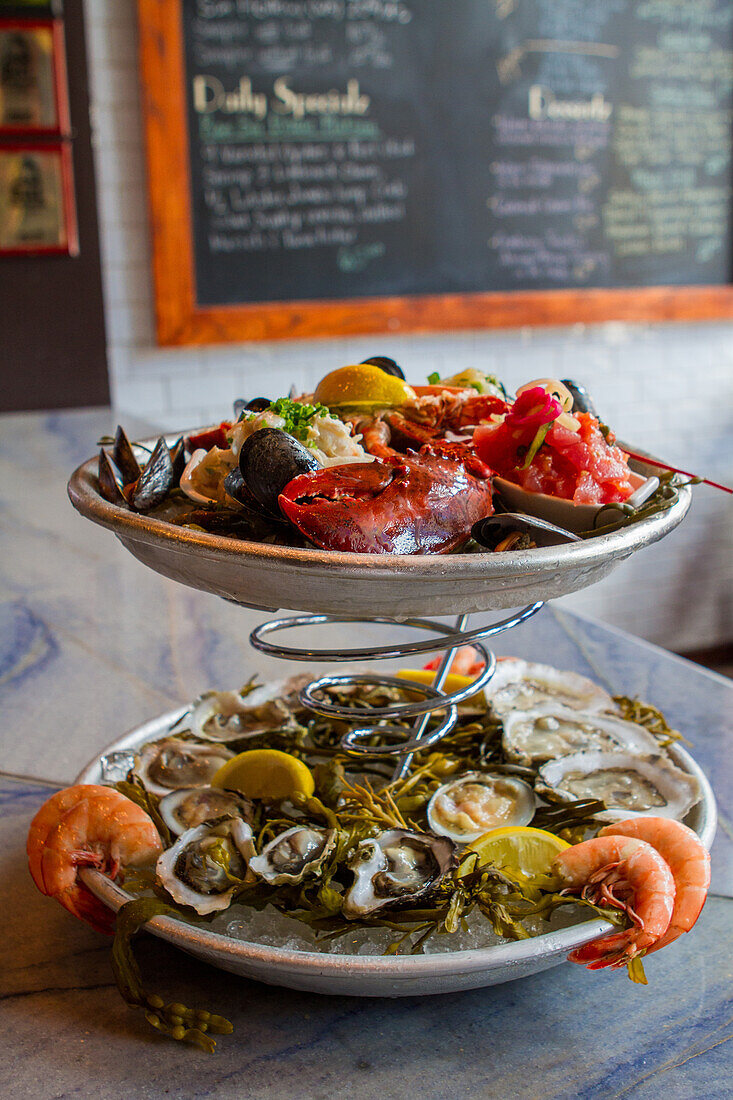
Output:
(687, 859)
(627, 874)
(87, 826)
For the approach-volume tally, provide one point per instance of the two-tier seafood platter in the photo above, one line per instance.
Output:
(454, 824)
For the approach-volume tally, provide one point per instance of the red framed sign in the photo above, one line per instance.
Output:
(37, 207)
(33, 91)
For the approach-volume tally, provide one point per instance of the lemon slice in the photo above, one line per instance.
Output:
(363, 386)
(265, 773)
(453, 682)
(519, 848)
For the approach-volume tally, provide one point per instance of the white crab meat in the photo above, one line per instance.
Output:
(469, 806)
(524, 685)
(550, 730)
(630, 785)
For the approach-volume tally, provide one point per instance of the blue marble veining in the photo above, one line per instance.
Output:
(26, 643)
(91, 643)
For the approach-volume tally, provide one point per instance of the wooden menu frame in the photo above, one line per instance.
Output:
(180, 320)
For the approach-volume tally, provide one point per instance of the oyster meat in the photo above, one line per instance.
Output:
(469, 806)
(395, 867)
(523, 685)
(233, 716)
(296, 854)
(192, 806)
(172, 763)
(207, 864)
(550, 730)
(630, 785)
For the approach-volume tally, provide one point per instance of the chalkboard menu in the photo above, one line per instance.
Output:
(330, 166)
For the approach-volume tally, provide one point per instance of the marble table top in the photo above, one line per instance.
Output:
(92, 644)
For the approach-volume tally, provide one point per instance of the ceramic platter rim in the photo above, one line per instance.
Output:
(311, 969)
(485, 579)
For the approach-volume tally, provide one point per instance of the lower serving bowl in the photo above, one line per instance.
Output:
(370, 975)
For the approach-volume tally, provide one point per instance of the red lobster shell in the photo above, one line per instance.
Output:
(404, 504)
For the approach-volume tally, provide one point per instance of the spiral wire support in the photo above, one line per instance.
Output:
(395, 740)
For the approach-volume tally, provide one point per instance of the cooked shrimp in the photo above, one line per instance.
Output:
(627, 874)
(467, 662)
(683, 852)
(87, 826)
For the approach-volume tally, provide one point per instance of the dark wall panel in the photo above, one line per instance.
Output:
(52, 333)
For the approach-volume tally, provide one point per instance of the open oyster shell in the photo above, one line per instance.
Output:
(231, 716)
(296, 854)
(199, 868)
(630, 785)
(549, 731)
(465, 808)
(193, 806)
(171, 764)
(524, 685)
(396, 867)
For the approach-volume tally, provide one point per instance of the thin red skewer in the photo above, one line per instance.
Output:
(675, 470)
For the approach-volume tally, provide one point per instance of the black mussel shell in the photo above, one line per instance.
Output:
(178, 459)
(236, 487)
(156, 479)
(257, 404)
(232, 523)
(387, 365)
(492, 530)
(269, 460)
(110, 480)
(582, 400)
(123, 457)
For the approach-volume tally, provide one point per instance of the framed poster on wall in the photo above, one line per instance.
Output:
(33, 94)
(37, 209)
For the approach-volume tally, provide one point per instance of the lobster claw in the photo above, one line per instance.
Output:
(412, 504)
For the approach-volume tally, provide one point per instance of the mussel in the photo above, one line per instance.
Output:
(269, 460)
(582, 400)
(123, 457)
(386, 364)
(495, 532)
(156, 479)
(111, 480)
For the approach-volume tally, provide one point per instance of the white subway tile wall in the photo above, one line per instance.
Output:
(667, 387)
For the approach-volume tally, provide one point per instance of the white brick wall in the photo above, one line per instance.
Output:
(667, 387)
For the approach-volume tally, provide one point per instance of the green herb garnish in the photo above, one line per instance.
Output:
(434, 378)
(298, 417)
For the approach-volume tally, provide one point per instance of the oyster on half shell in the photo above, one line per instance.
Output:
(172, 763)
(550, 730)
(465, 808)
(630, 785)
(296, 854)
(231, 716)
(524, 685)
(396, 867)
(207, 864)
(192, 806)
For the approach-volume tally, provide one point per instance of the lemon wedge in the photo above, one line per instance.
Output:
(453, 682)
(520, 848)
(267, 774)
(363, 387)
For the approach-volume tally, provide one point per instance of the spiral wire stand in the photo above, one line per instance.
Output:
(395, 741)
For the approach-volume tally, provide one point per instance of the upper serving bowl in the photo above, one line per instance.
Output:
(331, 582)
